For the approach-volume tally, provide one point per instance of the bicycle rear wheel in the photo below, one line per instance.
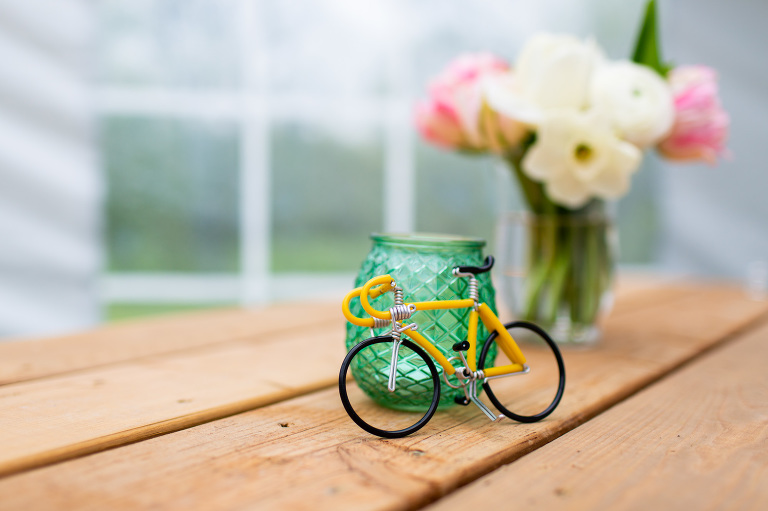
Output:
(417, 387)
(528, 394)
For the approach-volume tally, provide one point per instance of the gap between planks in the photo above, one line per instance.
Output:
(83, 411)
(322, 460)
(134, 339)
(58, 418)
(693, 440)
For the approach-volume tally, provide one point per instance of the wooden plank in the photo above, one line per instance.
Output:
(30, 359)
(305, 452)
(90, 410)
(687, 311)
(61, 417)
(695, 440)
(634, 292)
(86, 411)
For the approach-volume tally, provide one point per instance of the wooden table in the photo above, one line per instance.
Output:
(198, 412)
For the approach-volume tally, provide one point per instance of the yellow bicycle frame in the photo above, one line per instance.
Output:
(384, 283)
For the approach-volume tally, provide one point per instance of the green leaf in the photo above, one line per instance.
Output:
(647, 50)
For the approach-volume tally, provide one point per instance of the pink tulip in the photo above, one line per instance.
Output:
(701, 124)
(451, 114)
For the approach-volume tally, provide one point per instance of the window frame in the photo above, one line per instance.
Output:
(255, 108)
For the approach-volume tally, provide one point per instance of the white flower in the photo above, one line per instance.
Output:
(552, 72)
(637, 100)
(578, 156)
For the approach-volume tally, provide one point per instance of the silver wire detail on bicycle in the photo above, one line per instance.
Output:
(417, 364)
(399, 312)
(468, 381)
(472, 285)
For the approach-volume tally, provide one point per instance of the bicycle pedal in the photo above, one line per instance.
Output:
(461, 400)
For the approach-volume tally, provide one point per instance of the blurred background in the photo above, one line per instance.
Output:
(177, 154)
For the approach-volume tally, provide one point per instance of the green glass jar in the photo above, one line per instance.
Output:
(422, 265)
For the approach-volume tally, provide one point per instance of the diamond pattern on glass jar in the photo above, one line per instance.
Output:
(425, 274)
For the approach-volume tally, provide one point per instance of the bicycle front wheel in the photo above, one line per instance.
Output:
(416, 394)
(536, 394)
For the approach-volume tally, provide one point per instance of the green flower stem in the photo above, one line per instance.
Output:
(561, 267)
(569, 257)
(590, 288)
(577, 276)
(532, 191)
(538, 274)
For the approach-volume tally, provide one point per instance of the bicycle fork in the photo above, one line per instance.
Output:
(398, 312)
(397, 340)
(393, 365)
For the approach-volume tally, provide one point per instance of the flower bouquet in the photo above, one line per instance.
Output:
(572, 126)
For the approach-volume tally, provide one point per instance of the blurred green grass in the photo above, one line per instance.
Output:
(122, 311)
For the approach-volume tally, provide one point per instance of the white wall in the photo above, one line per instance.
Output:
(50, 189)
(715, 219)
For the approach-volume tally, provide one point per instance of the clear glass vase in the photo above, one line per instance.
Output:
(557, 271)
(421, 265)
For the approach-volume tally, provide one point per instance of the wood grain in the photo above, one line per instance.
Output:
(635, 291)
(61, 417)
(118, 342)
(305, 453)
(80, 412)
(695, 440)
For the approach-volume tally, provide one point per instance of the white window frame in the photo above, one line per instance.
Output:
(256, 109)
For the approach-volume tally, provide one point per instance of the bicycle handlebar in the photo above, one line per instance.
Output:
(371, 292)
(385, 284)
(377, 286)
(477, 270)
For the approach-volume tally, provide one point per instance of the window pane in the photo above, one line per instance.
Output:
(173, 194)
(329, 47)
(455, 194)
(327, 195)
(187, 43)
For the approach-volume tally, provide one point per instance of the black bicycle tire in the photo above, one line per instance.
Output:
(560, 365)
(351, 411)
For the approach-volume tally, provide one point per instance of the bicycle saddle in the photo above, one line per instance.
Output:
(476, 270)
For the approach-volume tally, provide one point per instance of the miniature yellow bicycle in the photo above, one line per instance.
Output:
(407, 357)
